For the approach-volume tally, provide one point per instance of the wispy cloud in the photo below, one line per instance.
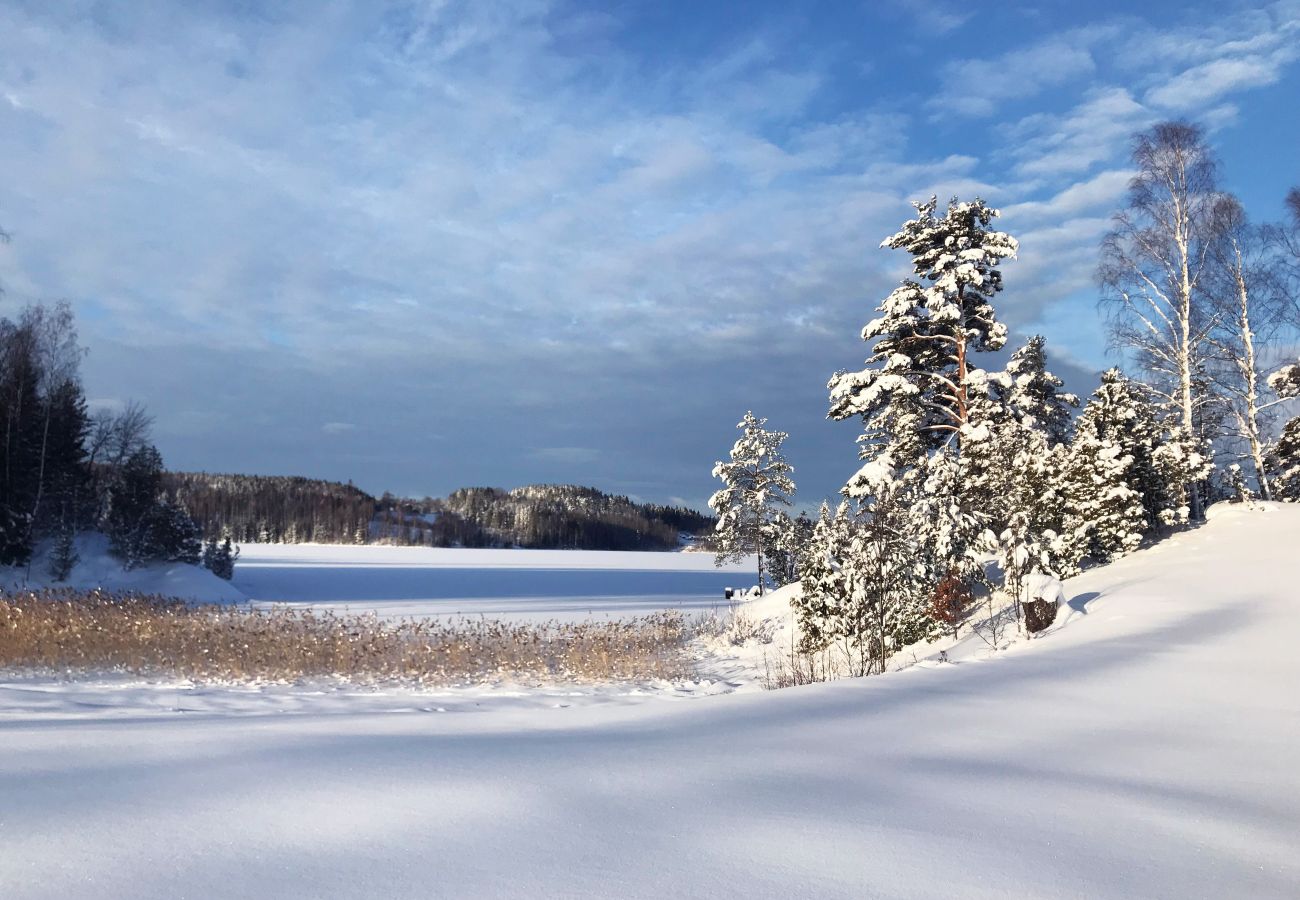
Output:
(978, 87)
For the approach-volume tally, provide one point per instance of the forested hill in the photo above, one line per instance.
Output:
(274, 508)
(550, 516)
(284, 509)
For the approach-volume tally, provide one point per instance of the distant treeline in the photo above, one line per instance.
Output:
(271, 509)
(274, 509)
(549, 516)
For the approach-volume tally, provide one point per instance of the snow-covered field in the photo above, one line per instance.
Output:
(513, 584)
(1145, 747)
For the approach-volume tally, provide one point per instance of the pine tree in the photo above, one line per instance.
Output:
(823, 599)
(785, 541)
(20, 377)
(142, 524)
(861, 590)
(131, 507)
(915, 394)
(1284, 463)
(757, 484)
(1284, 458)
(219, 558)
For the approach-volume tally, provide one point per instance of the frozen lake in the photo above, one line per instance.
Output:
(514, 584)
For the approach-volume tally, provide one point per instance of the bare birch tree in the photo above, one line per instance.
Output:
(1247, 289)
(1283, 240)
(1152, 266)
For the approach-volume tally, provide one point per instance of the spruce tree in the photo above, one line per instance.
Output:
(1033, 395)
(822, 604)
(1105, 516)
(1121, 413)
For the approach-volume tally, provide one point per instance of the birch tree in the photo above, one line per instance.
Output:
(1283, 239)
(1153, 264)
(1250, 314)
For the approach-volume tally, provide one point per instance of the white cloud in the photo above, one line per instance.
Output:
(1200, 86)
(935, 16)
(977, 87)
(1096, 130)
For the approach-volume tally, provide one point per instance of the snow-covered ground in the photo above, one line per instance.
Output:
(513, 584)
(97, 568)
(1145, 747)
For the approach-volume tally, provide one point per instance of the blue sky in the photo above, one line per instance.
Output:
(427, 245)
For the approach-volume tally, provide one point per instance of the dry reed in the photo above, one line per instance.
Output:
(82, 632)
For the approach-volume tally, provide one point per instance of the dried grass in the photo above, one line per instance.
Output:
(81, 632)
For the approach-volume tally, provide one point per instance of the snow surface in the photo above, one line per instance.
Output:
(513, 584)
(1144, 746)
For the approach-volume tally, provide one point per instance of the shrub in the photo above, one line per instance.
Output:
(952, 599)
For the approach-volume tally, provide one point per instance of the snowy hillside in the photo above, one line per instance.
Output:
(1146, 748)
(97, 568)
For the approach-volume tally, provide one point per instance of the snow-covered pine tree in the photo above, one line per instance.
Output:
(1183, 463)
(219, 558)
(822, 602)
(785, 541)
(1284, 463)
(1284, 457)
(1033, 395)
(919, 396)
(1285, 382)
(915, 393)
(1105, 517)
(1031, 498)
(177, 537)
(756, 484)
(861, 591)
(942, 515)
(1120, 411)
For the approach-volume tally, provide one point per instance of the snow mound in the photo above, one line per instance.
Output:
(97, 568)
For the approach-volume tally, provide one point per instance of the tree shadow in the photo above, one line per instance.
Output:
(1079, 602)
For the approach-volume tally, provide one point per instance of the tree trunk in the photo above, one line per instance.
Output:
(1182, 239)
(1249, 369)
